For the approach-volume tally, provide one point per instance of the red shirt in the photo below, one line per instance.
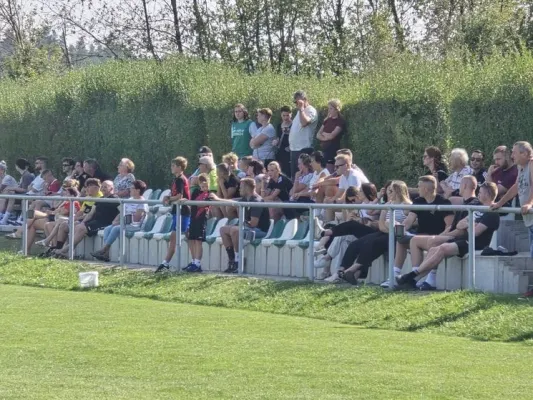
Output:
(66, 206)
(54, 186)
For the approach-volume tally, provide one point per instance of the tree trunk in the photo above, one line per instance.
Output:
(400, 36)
(149, 44)
(177, 32)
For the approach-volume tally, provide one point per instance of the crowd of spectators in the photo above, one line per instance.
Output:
(279, 164)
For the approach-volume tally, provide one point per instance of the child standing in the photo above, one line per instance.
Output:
(196, 233)
(178, 190)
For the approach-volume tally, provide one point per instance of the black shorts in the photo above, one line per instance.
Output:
(197, 229)
(94, 226)
(462, 245)
(405, 239)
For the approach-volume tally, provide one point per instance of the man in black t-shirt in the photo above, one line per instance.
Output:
(486, 223)
(429, 222)
(256, 219)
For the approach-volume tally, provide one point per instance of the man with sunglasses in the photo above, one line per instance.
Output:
(476, 163)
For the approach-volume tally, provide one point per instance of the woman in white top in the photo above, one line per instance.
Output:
(318, 165)
(262, 138)
(361, 253)
(459, 168)
(134, 213)
(303, 177)
(125, 178)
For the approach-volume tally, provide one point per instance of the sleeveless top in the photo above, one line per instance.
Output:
(524, 190)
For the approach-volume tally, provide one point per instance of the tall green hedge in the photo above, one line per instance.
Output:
(153, 112)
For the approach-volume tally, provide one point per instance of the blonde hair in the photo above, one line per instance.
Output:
(344, 158)
(336, 104)
(230, 158)
(458, 159)
(130, 166)
(276, 165)
(401, 192)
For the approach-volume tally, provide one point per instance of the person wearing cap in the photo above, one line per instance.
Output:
(208, 167)
(204, 151)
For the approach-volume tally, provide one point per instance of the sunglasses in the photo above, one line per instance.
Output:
(339, 165)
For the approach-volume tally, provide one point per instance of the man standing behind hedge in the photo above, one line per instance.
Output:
(302, 129)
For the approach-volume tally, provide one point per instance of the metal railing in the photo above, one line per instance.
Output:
(241, 206)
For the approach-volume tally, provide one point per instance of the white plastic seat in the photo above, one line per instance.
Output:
(272, 253)
(288, 233)
(147, 193)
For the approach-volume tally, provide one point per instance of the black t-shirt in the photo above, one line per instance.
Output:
(106, 212)
(331, 146)
(480, 176)
(199, 212)
(102, 176)
(284, 144)
(441, 174)
(283, 184)
(81, 179)
(459, 215)
(232, 182)
(492, 221)
(180, 185)
(431, 222)
(258, 212)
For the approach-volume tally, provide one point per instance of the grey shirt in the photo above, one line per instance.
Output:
(266, 151)
(26, 179)
(524, 190)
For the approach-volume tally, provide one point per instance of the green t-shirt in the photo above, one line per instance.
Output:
(213, 181)
(240, 138)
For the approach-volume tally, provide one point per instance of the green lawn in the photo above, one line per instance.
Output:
(57, 344)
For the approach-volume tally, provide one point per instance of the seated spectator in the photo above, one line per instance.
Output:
(503, 172)
(477, 160)
(301, 185)
(350, 175)
(80, 175)
(283, 155)
(421, 243)
(244, 164)
(428, 222)
(435, 164)
(93, 170)
(179, 189)
(320, 172)
(459, 168)
(41, 220)
(228, 188)
(134, 214)
(5, 179)
(101, 215)
(261, 142)
(125, 178)
(24, 168)
(57, 231)
(196, 233)
(275, 187)
(485, 225)
(68, 168)
(331, 131)
(233, 163)
(203, 151)
(256, 221)
(361, 253)
(256, 170)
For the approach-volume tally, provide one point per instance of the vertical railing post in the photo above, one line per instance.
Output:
(471, 251)
(311, 248)
(25, 227)
(71, 215)
(392, 249)
(178, 238)
(122, 241)
(240, 261)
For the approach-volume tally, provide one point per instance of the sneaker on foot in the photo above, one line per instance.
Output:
(426, 287)
(323, 275)
(232, 267)
(187, 266)
(323, 262)
(41, 243)
(387, 284)
(194, 268)
(163, 267)
(405, 282)
(333, 278)
(527, 295)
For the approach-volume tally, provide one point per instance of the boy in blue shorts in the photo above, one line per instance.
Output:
(179, 190)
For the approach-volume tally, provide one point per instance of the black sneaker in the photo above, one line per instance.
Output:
(425, 287)
(405, 282)
(232, 268)
(162, 267)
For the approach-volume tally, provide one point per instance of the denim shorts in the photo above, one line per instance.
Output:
(259, 234)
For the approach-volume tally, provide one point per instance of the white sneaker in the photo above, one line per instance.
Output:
(323, 262)
(322, 276)
(333, 278)
(320, 252)
(41, 243)
(387, 284)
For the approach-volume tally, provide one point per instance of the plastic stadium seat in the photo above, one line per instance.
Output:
(211, 249)
(140, 239)
(269, 255)
(259, 252)
(147, 194)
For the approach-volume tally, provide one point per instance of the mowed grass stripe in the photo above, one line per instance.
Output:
(56, 344)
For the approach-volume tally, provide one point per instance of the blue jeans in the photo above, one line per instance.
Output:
(112, 232)
(530, 240)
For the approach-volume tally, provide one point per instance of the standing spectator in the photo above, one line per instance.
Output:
(261, 142)
(459, 167)
(135, 211)
(302, 129)
(256, 220)
(476, 163)
(523, 187)
(178, 190)
(240, 131)
(196, 233)
(283, 156)
(24, 168)
(207, 166)
(203, 151)
(434, 162)
(331, 132)
(503, 172)
(125, 178)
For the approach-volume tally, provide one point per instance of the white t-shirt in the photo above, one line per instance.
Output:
(356, 178)
(131, 209)
(316, 176)
(9, 181)
(37, 186)
(266, 150)
(302, 137)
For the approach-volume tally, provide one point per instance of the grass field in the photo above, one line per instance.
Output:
(66, 345)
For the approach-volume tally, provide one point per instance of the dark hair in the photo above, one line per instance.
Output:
(72, 191)
(306, 160)
(22, 163)
(246, 116)
(435, 153)
(257, 166)
(93, 182)
(92, 162)
(45, 172)
(250, 182)
(480, 152)
(285, 109)
(318, 156)
(370, 191)
(385, 198)
(69, 161)
(140, 186)
(223, 167)
(351, 191)
(42, 158)
(205, 150)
